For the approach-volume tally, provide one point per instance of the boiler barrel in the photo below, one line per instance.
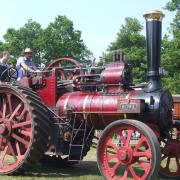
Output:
(97, 108)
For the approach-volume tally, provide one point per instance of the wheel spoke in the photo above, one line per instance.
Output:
(21, 140)
(59, 65)
(62, 75)
(113, 169)
(1, 139)
(3, 156)
(12, 150)
(4, 109)
(111, 156)
(17, 125)
(146, 153)
(140, 142)
(1, 115)
(15, 111)
(109, 143)
(144, 166)
(26, 133)
(125, 175)
(61, 72)
(9, 103)
(133, 172)
(22, 114)
(18, 150)
(121, 137)
(129, 134)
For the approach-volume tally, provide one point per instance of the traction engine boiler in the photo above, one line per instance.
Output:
(51, 117)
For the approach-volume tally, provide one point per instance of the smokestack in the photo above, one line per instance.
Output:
(153, 38)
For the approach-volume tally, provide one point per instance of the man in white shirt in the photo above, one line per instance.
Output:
(25, 64)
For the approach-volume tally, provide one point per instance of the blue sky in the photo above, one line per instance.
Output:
(99, 20)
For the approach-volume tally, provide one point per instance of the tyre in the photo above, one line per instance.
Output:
(128, 149)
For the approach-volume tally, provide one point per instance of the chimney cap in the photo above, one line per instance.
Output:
(154, 15)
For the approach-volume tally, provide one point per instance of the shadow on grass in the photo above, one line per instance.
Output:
(85, 168)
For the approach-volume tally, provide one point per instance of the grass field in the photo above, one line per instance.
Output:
(86, 170)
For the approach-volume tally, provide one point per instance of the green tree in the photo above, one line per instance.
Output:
(57, 40)
(29, 35)
(171, 53)
(133, 45)
(61, 39)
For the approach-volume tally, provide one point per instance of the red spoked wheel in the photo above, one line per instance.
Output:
(68, 63)
(23, 129)
(128, 149)
(170, 149)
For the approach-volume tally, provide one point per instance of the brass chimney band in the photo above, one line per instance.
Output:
(153, 15)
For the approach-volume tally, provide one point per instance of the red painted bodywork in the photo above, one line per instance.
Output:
(113, 74)
(48, 92)
(100, 109)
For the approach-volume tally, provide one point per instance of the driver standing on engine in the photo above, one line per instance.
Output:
(25, 64)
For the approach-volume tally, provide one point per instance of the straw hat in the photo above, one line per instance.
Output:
(27, 50)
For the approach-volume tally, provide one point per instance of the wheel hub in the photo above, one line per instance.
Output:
(5, 129)
(125, 155)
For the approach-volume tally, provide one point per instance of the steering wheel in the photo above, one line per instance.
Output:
(67, 67)
(10, 74)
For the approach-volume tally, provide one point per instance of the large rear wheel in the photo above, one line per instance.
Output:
(128, 149)
(23, 129)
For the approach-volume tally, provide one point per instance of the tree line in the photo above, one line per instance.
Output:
(130, 41)
(60, 39)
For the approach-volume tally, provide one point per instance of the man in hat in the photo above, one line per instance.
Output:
(25, 64)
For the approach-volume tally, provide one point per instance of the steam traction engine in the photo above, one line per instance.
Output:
(51, 117)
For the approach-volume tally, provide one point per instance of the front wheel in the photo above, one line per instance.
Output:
(128, 149)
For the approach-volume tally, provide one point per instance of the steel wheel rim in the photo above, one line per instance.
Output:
(127, 157)
(16, 128)
(170, 149)
(58, 61)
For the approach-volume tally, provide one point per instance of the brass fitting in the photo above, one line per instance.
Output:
(154, 15)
